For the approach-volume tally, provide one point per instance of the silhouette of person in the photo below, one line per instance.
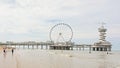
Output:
(4, 51)
(12, 50)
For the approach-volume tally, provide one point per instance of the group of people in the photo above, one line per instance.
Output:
(12, 50)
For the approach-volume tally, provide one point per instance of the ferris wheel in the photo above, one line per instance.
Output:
(61, 33)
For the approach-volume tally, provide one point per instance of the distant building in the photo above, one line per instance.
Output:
(102, 44)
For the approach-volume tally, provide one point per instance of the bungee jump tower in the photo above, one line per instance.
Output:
(102, 44)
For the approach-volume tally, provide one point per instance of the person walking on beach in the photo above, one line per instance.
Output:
(12, 50)
(4, 51)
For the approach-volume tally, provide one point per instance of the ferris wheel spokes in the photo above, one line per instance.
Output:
(61, 33)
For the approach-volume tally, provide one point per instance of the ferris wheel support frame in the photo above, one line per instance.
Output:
(58, 25)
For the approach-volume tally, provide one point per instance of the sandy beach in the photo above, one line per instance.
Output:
(59, 59)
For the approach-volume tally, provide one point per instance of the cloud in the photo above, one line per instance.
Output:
(29, 17)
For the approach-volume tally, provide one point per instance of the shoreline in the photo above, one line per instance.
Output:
(6, 48)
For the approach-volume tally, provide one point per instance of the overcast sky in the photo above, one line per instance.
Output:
(31, 20)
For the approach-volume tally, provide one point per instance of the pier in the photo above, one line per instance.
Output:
(27, 45)
(45, 46)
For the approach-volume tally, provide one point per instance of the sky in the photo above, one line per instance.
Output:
(31, 20)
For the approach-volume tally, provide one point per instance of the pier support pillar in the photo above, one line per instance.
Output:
(41, 46)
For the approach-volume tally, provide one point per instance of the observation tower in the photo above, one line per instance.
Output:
(102, 44)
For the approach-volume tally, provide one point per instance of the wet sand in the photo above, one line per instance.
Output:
(59, 59)
(7, 60)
